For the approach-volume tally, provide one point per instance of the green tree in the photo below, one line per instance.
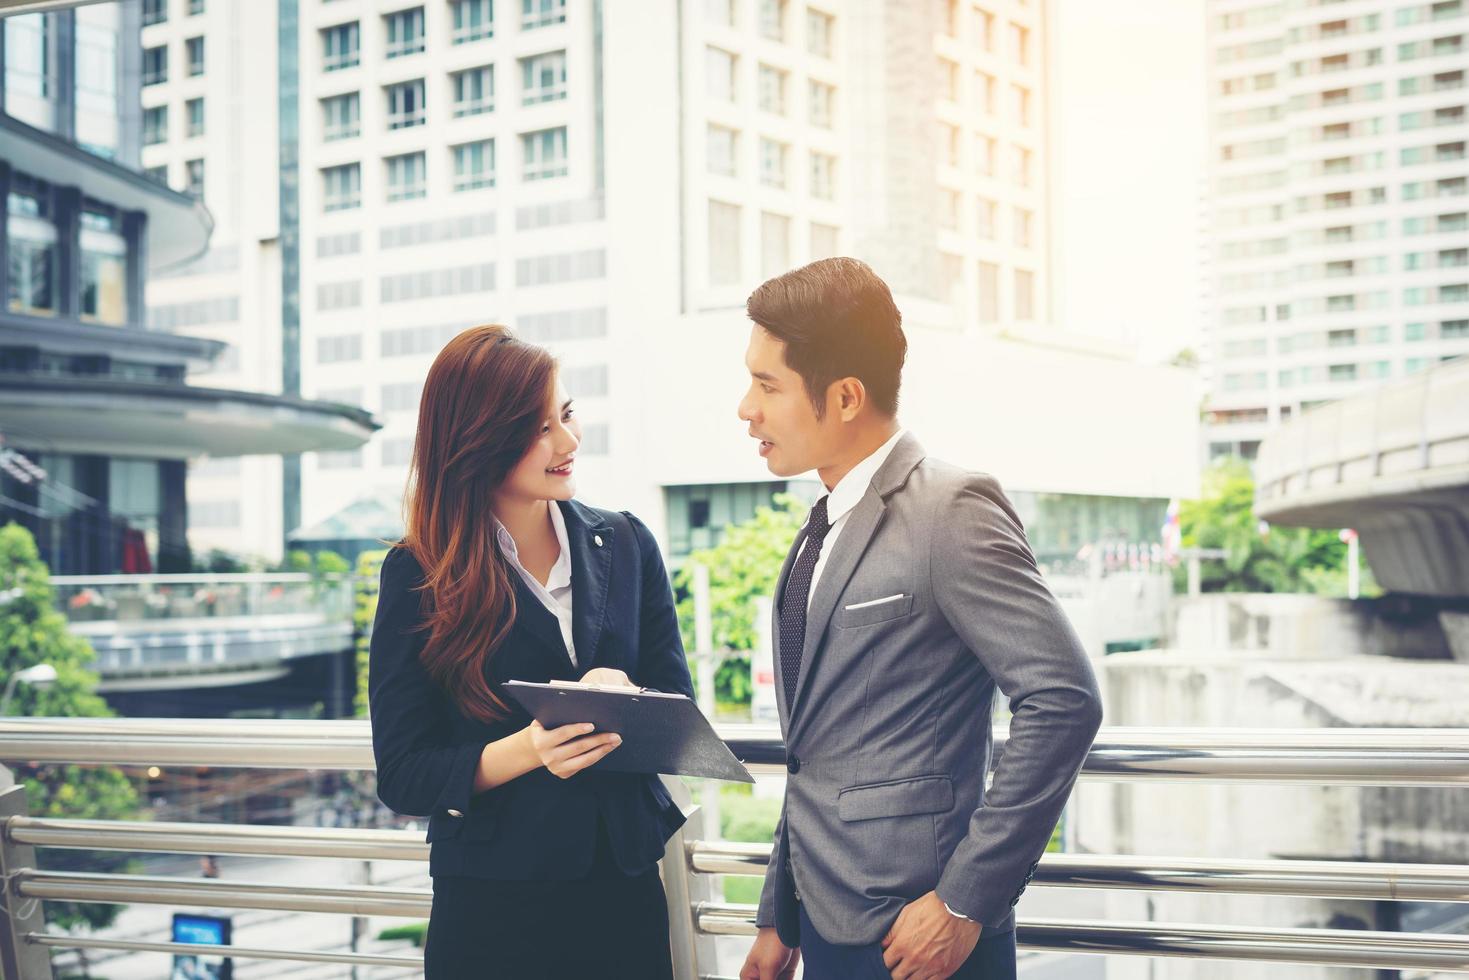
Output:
(364, 590)
(1261, 558)
(742, 567)
(32, 632)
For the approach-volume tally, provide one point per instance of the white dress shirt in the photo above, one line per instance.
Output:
(849, 490)
(555, 595)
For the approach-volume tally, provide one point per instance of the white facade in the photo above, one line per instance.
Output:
(1338, 179)
(219, 118)
(697, 147)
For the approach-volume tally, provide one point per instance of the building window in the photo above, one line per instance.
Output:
(719, 75)
(155, 65)
(474, 165)
(543, 154)
(984, 155)
(1020, 168)
(405, 32)
(31, 240)
(474, 91)
(989, 293)
(950, 137)
(194, 51)
(194, 114)
(724, 244)
(823, 176)
(405, 104)
(340, 47)
(341, 187)
(773, 19)
(820, 29)
(1020, 44)
(155, 125)
(196, 7)
(104, 255)
(154, 12)
(823, 99)
(772, 163)
(984, 29)
(541, 13)
(341, 116)
(722, 148)
(543, 78)
(775, 244)
(194, 175)
(824, 241)
(1024, 219)
(158, 174)
(772, 90)
(952, 202)
(987, 220)
(720, 12)
(1020, 104)
(473, 20)
(406, 176)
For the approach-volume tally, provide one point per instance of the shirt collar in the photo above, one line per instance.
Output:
(560, 576)
(851, 488)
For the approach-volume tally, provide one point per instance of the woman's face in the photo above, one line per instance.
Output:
(545, 472)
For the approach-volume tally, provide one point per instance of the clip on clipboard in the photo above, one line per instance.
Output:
(661, 733)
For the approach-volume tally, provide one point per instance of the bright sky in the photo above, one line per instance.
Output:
(1129, 127)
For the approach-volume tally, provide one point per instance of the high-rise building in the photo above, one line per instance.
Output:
(1338, 209)
(97, 422)
(612, 182)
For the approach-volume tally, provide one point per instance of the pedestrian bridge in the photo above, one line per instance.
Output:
(1393, 463)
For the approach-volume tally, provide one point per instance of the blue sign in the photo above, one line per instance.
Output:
(203, 930)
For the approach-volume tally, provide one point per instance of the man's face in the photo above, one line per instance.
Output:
(779, 411)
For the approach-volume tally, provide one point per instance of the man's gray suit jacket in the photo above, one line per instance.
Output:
(929, 600)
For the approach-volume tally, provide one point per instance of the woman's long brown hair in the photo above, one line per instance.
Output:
(483, 403)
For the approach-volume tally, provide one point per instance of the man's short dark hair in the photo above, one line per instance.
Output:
(837, 320)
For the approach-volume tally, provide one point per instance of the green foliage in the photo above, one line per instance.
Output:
(413, 931)
(364, 590)
(32, 632)
(742, 567)
(1260, 558)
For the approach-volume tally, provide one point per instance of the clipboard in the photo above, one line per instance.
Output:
(661, 733)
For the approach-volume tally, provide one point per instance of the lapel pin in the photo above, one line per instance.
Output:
(597, 540)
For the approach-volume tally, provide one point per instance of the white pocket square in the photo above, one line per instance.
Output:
(877, 602)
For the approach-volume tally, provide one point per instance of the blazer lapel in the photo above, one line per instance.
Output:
(851, 544)
(590, 539)
(537, 620)
(856, 534)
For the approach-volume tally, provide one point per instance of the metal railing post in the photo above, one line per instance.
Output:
(19, 959)
(683, 890)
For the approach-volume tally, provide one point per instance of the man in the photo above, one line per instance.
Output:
(909, 595)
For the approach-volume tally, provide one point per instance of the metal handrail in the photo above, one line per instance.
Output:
(237, 952)
(85, 886)
(1302, 879)
(1356, 757)
(1324, 947)
(234, 839)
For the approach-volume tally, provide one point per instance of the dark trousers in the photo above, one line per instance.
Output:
(606, 925)
(993, 958)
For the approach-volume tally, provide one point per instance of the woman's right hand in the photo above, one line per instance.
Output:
(569, 749)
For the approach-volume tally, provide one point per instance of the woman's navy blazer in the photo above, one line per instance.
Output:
(537, 826)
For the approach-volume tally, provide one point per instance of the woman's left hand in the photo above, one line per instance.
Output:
(607, 677)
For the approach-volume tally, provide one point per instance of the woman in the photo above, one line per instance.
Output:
(543, 866)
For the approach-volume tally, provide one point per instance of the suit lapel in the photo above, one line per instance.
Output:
(536, 619)
(848, 549)
(590, 539)
(856, 534)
